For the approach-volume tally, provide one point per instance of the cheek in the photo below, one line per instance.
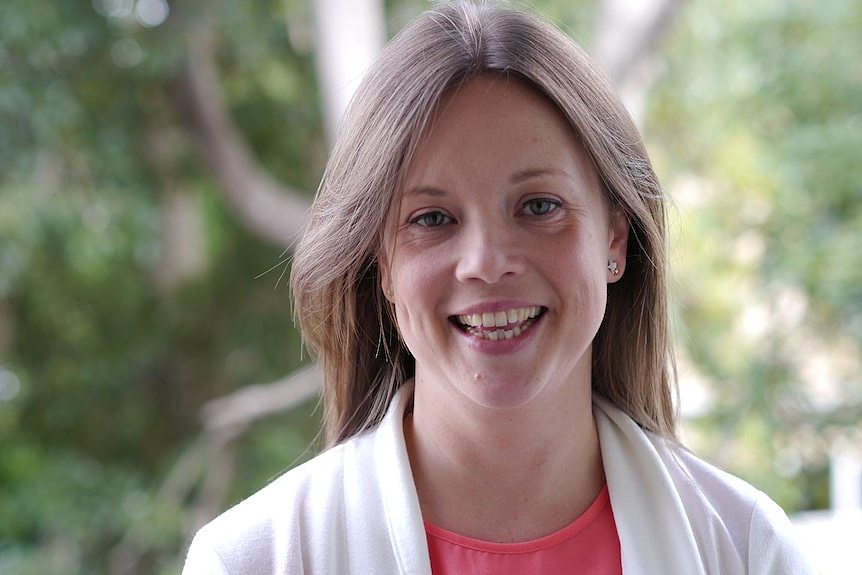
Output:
(580, 253)
(576, 265)
(417, 274)
(419, 290)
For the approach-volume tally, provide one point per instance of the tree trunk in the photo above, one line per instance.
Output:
(349, 35)
(628, 35)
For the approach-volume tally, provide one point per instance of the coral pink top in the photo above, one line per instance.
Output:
(590, 544)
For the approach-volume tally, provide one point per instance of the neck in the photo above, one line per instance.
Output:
(504, 474)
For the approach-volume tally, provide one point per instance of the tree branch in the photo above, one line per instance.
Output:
(630, 32)
(269, 209)
(204, 471)
(232, 414)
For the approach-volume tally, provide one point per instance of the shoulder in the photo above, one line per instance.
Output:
(353, 508)
(700, 481)
(721, 505)
(300, 509)
(692, 511)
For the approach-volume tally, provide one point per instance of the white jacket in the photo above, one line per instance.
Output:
(354, 509)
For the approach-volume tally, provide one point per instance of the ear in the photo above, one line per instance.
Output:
(385, 278)
(618, 241)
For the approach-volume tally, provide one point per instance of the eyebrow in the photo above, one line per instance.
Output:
(516, 178)
(531, 173)
(426, 191)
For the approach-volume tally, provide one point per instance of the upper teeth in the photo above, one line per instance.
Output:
(500, 318)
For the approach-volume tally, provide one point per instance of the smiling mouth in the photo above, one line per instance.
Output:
(501, 325)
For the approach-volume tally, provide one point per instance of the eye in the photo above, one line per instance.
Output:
(539, 206)
(431, 219)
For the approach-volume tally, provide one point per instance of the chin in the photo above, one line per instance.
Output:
(501, 392)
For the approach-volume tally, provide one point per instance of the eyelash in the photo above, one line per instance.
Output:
(442, 218)
(422, 219)
(553, 205)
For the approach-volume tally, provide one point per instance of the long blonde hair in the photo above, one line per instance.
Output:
(335, 279)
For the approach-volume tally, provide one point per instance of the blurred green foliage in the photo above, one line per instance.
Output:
(754, 125)
(105, 368)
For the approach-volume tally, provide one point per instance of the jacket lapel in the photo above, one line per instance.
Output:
(401, 503)
(655, 534)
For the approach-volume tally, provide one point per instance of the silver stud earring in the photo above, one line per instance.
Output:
(613, 267)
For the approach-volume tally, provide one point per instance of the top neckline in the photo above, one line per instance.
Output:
(579, 524)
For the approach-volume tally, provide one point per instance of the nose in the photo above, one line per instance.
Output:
(488, 253)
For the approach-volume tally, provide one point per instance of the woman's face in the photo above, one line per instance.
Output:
(498, 263)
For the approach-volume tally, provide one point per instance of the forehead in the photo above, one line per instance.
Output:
(496, 127)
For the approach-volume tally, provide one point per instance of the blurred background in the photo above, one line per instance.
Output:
(155, 161)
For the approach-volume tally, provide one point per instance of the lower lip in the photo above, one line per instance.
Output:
(502, 346)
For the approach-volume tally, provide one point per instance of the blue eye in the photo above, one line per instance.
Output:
(431, 219)
(540, 206)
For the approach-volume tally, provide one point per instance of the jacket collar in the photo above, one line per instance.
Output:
(654, 531)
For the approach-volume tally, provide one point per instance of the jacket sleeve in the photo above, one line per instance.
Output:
(773, 547)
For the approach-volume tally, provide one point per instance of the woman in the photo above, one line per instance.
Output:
(483, 277)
